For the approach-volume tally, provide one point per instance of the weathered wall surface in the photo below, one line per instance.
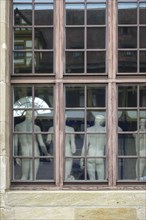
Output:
(74, 205)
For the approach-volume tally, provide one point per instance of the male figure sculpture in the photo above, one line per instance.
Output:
(140, 143)
(94, 146)
(70, 149)
(25, 142)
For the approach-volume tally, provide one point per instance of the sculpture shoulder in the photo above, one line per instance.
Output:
(95, 128)
(68, 128)
(51, 129)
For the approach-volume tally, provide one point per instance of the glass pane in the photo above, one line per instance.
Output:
(75, 119)
(96, 38)
(74, 38)
(96, 169)
(127, 61)
(23, 169)
(22, 38)
(96, 62)
(142, 61)
(44, 62)
(142, 168)
(96, 14)
(45, 94)
(45, 170)
(22, 14)
(127, 120)
(43, 14)
(22, 62)
(22, 1)
(75, 14)
(142, 37)
(127, 169)
(127, 96)
(91, 116)
(77, 172)
(142, 114)
(69, 1)
(142, 96)
(43, 38)
(50, 139)
(95, 96)
(142, 9)
(97, 125)
(126, 144)
(74, 96)
(75, 62)
(47, 1)
(127, 13)
(127, 37)
(22, 97)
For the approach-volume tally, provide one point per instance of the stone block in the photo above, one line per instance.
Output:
(106, 214)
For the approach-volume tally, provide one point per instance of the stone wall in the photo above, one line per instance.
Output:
(53, 205)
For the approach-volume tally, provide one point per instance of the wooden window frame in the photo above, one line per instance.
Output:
(59, 80)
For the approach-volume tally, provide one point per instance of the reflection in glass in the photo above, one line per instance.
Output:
(126, 145)
(96, 14)
(45, 12)
(127, 120)
(21, 42)
(22, 0)
(75, 14)
(142, 113)
(44, 62)
(95, 96)
(142, 37)
(96, 38)
(46, 169)
(143, 96)
(96, 62)
(127, 96)
(142, 8)
(127, 169)
(127, 13)
(22, 62)
(43, 38)
(75, 119)
(47, 1)
(21, 92)
(75, 62)
(127, 37)
(74, 38)
(143, 61)
(45, 93)
(77, 172)
(127, 61)
(74, 96)
(22, 14)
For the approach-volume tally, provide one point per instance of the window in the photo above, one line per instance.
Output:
(79, 94)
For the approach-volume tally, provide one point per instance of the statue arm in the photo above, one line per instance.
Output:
(41, 142)
(49, 136)
(73, 145)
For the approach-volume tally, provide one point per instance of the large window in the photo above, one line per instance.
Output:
(78, 93)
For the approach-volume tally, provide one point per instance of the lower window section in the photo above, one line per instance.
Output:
(85, 144)
(132, 132)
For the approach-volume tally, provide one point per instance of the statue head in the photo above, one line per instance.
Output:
(29, 114)
(99, 119)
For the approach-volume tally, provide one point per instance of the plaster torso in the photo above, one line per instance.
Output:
(25, 140)
(96, 141)
(69, 141)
